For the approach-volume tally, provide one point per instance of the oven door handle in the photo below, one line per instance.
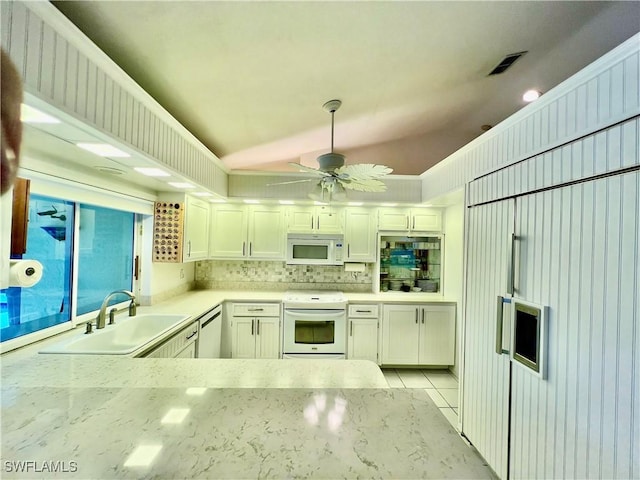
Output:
(318, 314)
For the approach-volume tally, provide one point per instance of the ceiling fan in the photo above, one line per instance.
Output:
(335, 176)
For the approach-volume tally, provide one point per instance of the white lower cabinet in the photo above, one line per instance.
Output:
(418, 334)
(255, 330)
(362, 338)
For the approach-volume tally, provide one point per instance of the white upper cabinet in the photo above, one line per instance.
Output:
(315, 219)
(360, 235)
(266, 234)
(196, 230)
(410, 219)
(243, 232)
(229, 224)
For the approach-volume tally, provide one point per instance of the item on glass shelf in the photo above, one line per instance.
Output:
(416, 289)
(395, 284)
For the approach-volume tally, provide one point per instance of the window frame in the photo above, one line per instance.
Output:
(78, 194)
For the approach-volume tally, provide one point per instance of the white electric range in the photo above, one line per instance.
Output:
(314, 325)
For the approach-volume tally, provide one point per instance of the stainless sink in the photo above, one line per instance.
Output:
(125, 337)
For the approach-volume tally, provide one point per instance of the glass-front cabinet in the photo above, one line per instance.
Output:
(411, 264)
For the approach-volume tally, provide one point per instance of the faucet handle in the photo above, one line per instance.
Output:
(89, 326)
(112, 316)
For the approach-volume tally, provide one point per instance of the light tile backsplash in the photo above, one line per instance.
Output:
(278, 276)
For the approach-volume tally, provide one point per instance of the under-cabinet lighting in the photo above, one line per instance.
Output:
(175, 415)
(181, 185)
(320, 203)
(203, 194)
(531, 95)
(103, 150)
(356, 204)
(143, 456)
(248, 200)
(286, 202)
(218, 200)
(33, 115)
(152, 172)
(389, 204)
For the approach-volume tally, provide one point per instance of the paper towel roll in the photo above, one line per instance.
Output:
(24, 273)
(354, 267)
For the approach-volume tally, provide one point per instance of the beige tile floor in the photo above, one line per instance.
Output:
(441, 386)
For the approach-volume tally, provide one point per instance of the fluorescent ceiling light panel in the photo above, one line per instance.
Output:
(33, 115)
(143, 456)
(203, 194)
(181, 185)
(103, 150)
(175, 415)
(152, 172)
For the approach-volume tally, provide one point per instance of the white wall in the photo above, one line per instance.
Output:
(453, 228)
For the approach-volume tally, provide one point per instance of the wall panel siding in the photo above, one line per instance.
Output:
(604, 93)
(62, 67)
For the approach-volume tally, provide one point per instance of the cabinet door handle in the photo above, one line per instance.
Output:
(256, 309)
(423, 315)
(407, 223)
(250, 248)
(244, 244)
(363, 311)
(253, 322)
(189, 248)
(192, 335)
(258, 327)
(348, 250)
(413, 226)
(351, 328)
(318, 222)
(416, 315)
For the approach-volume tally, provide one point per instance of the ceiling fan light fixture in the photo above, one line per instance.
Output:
(330, 161)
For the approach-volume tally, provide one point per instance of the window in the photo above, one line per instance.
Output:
(49, 241)
(103, 241)
(105, 255)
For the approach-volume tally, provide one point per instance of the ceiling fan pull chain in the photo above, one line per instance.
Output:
(332, 113)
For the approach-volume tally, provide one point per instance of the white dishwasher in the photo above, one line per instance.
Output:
(210, 333)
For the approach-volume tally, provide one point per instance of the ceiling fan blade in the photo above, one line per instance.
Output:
(362, 171)
(293, 181)
(364, 185)
(309, 169)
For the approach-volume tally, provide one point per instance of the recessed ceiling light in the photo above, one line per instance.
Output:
(286, 202)
(531, 95)
(181, 185)
(251, 201)
(203, 194)
(152, 172)
(103, 149)
(33, 115)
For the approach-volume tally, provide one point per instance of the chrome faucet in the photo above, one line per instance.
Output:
(101, 318)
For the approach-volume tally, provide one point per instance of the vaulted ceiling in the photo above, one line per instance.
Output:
(249, 79)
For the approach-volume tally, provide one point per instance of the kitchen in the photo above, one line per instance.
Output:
(619, 126)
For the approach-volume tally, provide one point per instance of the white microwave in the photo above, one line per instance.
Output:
(314, 249)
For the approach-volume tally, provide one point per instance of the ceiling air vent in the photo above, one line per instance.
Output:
(506, 63)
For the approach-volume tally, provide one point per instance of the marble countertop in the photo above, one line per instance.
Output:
(99, 416)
